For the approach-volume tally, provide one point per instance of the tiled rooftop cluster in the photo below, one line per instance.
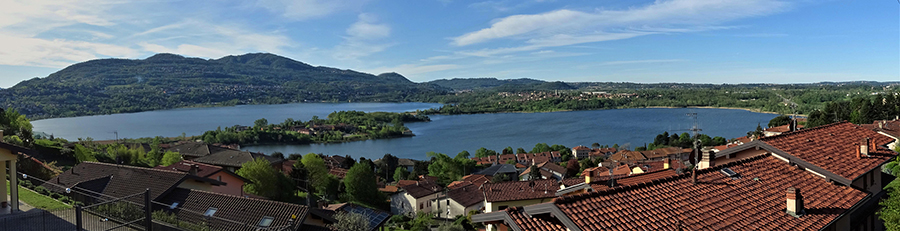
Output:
(755, 200)
(524, 158)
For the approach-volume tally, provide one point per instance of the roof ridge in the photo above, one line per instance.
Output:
(247, 198)
(132, 167)
(565, 199)
(806, 130)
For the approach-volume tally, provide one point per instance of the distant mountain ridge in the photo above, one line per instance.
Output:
(164, 81)
(461, 84)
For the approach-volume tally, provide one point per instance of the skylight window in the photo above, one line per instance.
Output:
(729, 173)
(209, 212)
(266, 221)
(174, 205)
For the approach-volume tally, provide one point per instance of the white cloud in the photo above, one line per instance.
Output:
(309, 9)
(662, 16)
(641, 61)
(26, 51)
(364, 37)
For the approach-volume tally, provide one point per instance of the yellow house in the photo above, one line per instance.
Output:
(8, 155)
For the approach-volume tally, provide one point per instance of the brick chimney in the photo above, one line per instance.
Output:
(588, 173)
(794, 202)
(666, 164)
(708, 159)
(194, 169)
(694, 176)
(863, 148)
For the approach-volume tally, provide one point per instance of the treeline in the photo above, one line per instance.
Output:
(859, 110)
(337, 127)
(768, 98)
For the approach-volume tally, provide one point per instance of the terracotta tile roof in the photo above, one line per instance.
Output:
(572, 181)
(476, 179)
(518, 165)
(581, 147)
(504, 158)
(782, 128)
(626, 155)
(340, 173)
(203, 170)
(520, 190)
(662, 152)
(421, 189)
(754, 201)
(243, 212)
(402, 183)
(466, 195)
(526, 222)
(834, 148)
(552, 167)
(457, 184)
(889, 127)
(123, 180)
(389, 189)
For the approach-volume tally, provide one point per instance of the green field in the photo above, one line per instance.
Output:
(38, 200)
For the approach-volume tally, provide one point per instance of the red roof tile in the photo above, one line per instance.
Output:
(203, 170)
(520, 190)
(526, 222)
(421, 189)
(467, 195)
(834, 147)
(754, 201)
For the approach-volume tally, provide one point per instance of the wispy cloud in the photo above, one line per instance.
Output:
(410, 70)
(364, 37)
(309, 9)
(567, 27)
(612, 63)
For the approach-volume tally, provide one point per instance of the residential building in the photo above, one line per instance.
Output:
(414, 198)
(232, 160)
(827, 178)
(232, 183)
(459, 201)
(9, 154)
(581, 152)
(474, 179)
(499, 196)
(548, 171)
(889, 128)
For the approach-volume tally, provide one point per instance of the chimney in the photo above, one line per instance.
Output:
(322, 204)
(794, 202)
(694, 176)
(864, 148)
(666, 163)
(588, 173)
(193, 170)
(708, 159)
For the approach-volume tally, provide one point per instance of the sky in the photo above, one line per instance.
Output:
(694, 41)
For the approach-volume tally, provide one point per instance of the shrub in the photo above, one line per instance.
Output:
(41, 190)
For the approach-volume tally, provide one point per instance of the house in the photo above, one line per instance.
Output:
(505, 170)
(322, 217)
(499, 196)
(666, 153)
(228, 212)
(581, 151)
(9, 154)
(548, 171)
(474, 179)
(889, 128)
(232, 160)
(627, 156)
(413, 198)
(182, 194)
(601, 152)
(459, 201)
(232, 183)
(823, 178)
(773, 131)
(191, 150)
(768, 185)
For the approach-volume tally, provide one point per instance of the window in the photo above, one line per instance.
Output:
(266, 221)
(219, 178)
(421, 206)
(209, 212)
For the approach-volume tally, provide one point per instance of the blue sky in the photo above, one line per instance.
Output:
(699, 41)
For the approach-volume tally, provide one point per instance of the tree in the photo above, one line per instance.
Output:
(422, 221)
(348, 162)
(511, 161)
(170, 158)
(318, 173)
(890, 207)
(265, 181)
(400, 174)
(500, 178)
(450, 227)
(278, 155)
(360, 185)
(260, 123)
(572, 168)
(758, 133)
(507, 150)
(779, 120)
(350, 221)
(387, 165)
(484, 152)
(535, 173)
(520, 151)
(540, 147)
(83, 154)
(595, 145)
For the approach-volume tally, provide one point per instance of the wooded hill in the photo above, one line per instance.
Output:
(165, 81)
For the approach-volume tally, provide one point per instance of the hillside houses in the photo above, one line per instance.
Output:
(824, 178)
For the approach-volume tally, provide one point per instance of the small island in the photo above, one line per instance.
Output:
(340, 126)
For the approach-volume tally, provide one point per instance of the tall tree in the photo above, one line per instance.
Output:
(83, 154)
(265, 181)
(535, 173)
(779, 120)
(572, 168)
(520, 151)
(260, 123)
(318, 173)
(400, 174)
(360, 185)
(170, 158)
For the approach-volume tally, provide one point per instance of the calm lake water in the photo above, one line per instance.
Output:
(444, 134)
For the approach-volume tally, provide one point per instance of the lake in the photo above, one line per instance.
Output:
(444, 134)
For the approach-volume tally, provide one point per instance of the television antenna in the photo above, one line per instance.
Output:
(695, 131)
(793, 107)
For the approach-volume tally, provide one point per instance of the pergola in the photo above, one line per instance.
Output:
(8, 156)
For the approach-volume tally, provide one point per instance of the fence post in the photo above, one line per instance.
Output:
(147, 209)
(79, 224)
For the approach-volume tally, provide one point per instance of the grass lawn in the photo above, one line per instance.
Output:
(37, 200)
